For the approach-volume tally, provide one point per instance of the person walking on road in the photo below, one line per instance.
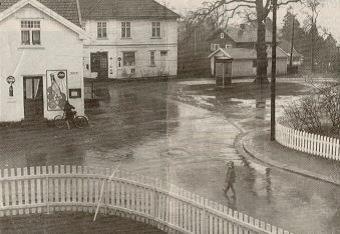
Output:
(230, 179)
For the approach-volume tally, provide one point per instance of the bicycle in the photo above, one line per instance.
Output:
(78, 121)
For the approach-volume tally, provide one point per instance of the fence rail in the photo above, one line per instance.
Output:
(318, 145)
(75, 188)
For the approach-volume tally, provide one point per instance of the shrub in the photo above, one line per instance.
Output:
(318, 112)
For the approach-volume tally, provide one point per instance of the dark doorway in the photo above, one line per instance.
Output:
(99, 63)
(33, 98)
(223, 71)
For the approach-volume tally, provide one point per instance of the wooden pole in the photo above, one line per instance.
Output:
(273, 80)
(292, 46)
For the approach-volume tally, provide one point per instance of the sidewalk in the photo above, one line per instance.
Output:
(259, 146)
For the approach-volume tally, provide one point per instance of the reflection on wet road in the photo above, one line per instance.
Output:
(183, 132)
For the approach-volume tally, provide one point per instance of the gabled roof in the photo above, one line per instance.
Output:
(43, 8)
(245, 33)
(286, 47)
(66, 8)
(124, 9)
(226, 55)
(244, 53)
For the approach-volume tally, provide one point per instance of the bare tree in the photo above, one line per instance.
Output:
(259, 9)
(312, 16)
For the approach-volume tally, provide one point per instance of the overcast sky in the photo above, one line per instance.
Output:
(329, 15)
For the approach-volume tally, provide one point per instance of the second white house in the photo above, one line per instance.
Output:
(130, 38)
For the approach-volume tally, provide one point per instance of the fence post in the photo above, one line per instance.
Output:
(204, 217)
(156, 203)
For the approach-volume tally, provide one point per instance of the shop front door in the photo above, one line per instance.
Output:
(99, 64)
(33, 98)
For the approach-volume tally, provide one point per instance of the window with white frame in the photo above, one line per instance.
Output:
(30, 32)
(101, 29)
(152, 58)
(129, 59)
(214, 47)
(156, 29)
(126, 29)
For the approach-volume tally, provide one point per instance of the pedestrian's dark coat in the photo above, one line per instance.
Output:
(230, 177)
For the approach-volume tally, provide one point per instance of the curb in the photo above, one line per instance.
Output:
(244, 148)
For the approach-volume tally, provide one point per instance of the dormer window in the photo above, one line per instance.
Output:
(30, 32)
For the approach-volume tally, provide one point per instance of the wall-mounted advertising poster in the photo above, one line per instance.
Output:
(56, 83)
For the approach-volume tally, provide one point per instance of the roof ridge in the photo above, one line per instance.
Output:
(116, 9)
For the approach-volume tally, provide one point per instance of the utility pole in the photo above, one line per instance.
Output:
(273, 80)
(313, 43)
(292, 46)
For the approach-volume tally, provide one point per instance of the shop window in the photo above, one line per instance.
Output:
(156, 29)
(126, 29)
(30, 32)
(129, 59)
(101, 30)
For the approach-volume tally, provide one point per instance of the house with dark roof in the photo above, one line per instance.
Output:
(41, 63)
(239, 44)
(129, 38)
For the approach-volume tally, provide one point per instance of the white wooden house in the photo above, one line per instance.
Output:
(130, 38)
(41, 65)
(243, 61)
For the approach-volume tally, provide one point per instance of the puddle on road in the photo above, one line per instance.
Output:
(139, 127)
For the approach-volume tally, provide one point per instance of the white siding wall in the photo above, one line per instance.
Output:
(243, 68)
(60, 49)
(281, 66)
(141, 42)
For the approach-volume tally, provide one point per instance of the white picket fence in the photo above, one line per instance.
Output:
(318, 145)
(74, 188)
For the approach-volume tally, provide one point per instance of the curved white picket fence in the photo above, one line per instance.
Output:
(318, 145)
(75, 188)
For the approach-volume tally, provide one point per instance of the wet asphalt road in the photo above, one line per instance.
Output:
(183, 132)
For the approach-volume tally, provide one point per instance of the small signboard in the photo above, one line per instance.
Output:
(61, 75)
(75, 93)
(10, 80)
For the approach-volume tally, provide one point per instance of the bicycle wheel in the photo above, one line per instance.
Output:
(80, 121)
(59, 121)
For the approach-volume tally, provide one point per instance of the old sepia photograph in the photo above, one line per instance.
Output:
(170, 116)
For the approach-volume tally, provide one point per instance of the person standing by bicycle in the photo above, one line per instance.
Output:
(69, 113)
